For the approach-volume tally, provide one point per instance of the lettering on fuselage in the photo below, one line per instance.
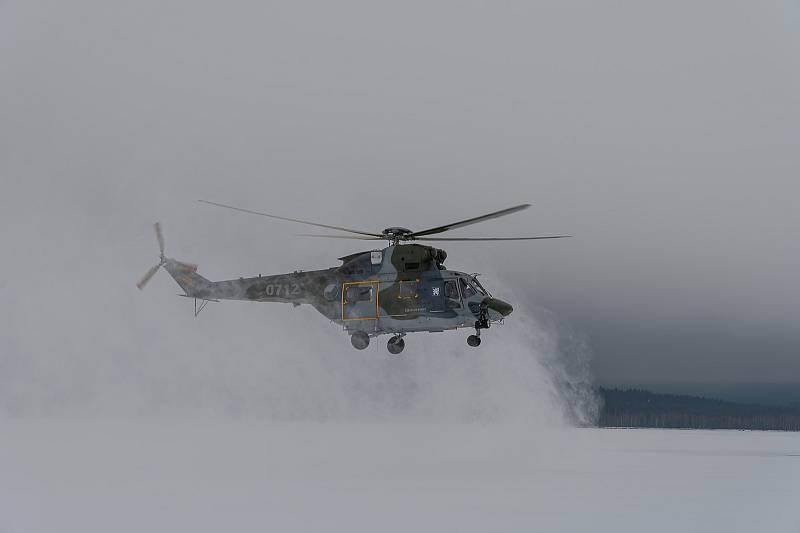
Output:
(282, 289)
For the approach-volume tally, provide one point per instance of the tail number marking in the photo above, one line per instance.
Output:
(285, 290)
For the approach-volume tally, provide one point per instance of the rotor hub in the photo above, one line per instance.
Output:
(395, 234)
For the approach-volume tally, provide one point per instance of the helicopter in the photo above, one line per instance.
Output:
(400, 289)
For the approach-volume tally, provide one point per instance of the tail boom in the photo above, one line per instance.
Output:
(295, 288)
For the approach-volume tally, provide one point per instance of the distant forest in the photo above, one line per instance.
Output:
(644, 409)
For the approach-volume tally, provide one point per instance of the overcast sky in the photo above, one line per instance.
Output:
(663, 136)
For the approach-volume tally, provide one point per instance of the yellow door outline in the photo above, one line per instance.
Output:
(374, 290)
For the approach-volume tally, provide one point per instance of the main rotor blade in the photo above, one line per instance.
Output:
(475, 220)
(291, 219)
(149, 274)
(341, 237)
(160, 237)
(492, 238)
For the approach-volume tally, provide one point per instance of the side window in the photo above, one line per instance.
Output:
(451, 293)
(450, 290)
(466, 288)
(408, 290)
(359, 293)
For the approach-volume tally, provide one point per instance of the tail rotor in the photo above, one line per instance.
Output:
(152, 272)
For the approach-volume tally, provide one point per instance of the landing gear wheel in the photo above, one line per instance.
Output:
(396, 345)
(360, 340)
(474, 340)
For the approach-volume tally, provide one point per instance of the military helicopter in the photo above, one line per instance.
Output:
(400, 289)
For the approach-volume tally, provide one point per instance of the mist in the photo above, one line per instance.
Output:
(149, 356)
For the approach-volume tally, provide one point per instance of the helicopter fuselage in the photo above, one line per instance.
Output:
(400, 289)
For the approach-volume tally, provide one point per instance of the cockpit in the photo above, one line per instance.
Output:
(475, 296)
(470, 286)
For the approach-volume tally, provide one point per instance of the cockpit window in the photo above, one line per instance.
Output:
(467, 289)
(450, 290)
(479, 287)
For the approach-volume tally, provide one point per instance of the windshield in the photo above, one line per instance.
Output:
(479, 287)
(467, 290)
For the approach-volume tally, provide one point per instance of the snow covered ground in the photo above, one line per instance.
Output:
(85, 476)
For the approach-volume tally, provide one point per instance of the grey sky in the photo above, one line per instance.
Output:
(664, 136)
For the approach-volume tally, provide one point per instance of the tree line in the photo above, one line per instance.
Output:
(645, 409)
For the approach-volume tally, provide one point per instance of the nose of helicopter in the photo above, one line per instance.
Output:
(498, 305)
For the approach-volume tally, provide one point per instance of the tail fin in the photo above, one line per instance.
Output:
(185, 274)
(192, 283)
